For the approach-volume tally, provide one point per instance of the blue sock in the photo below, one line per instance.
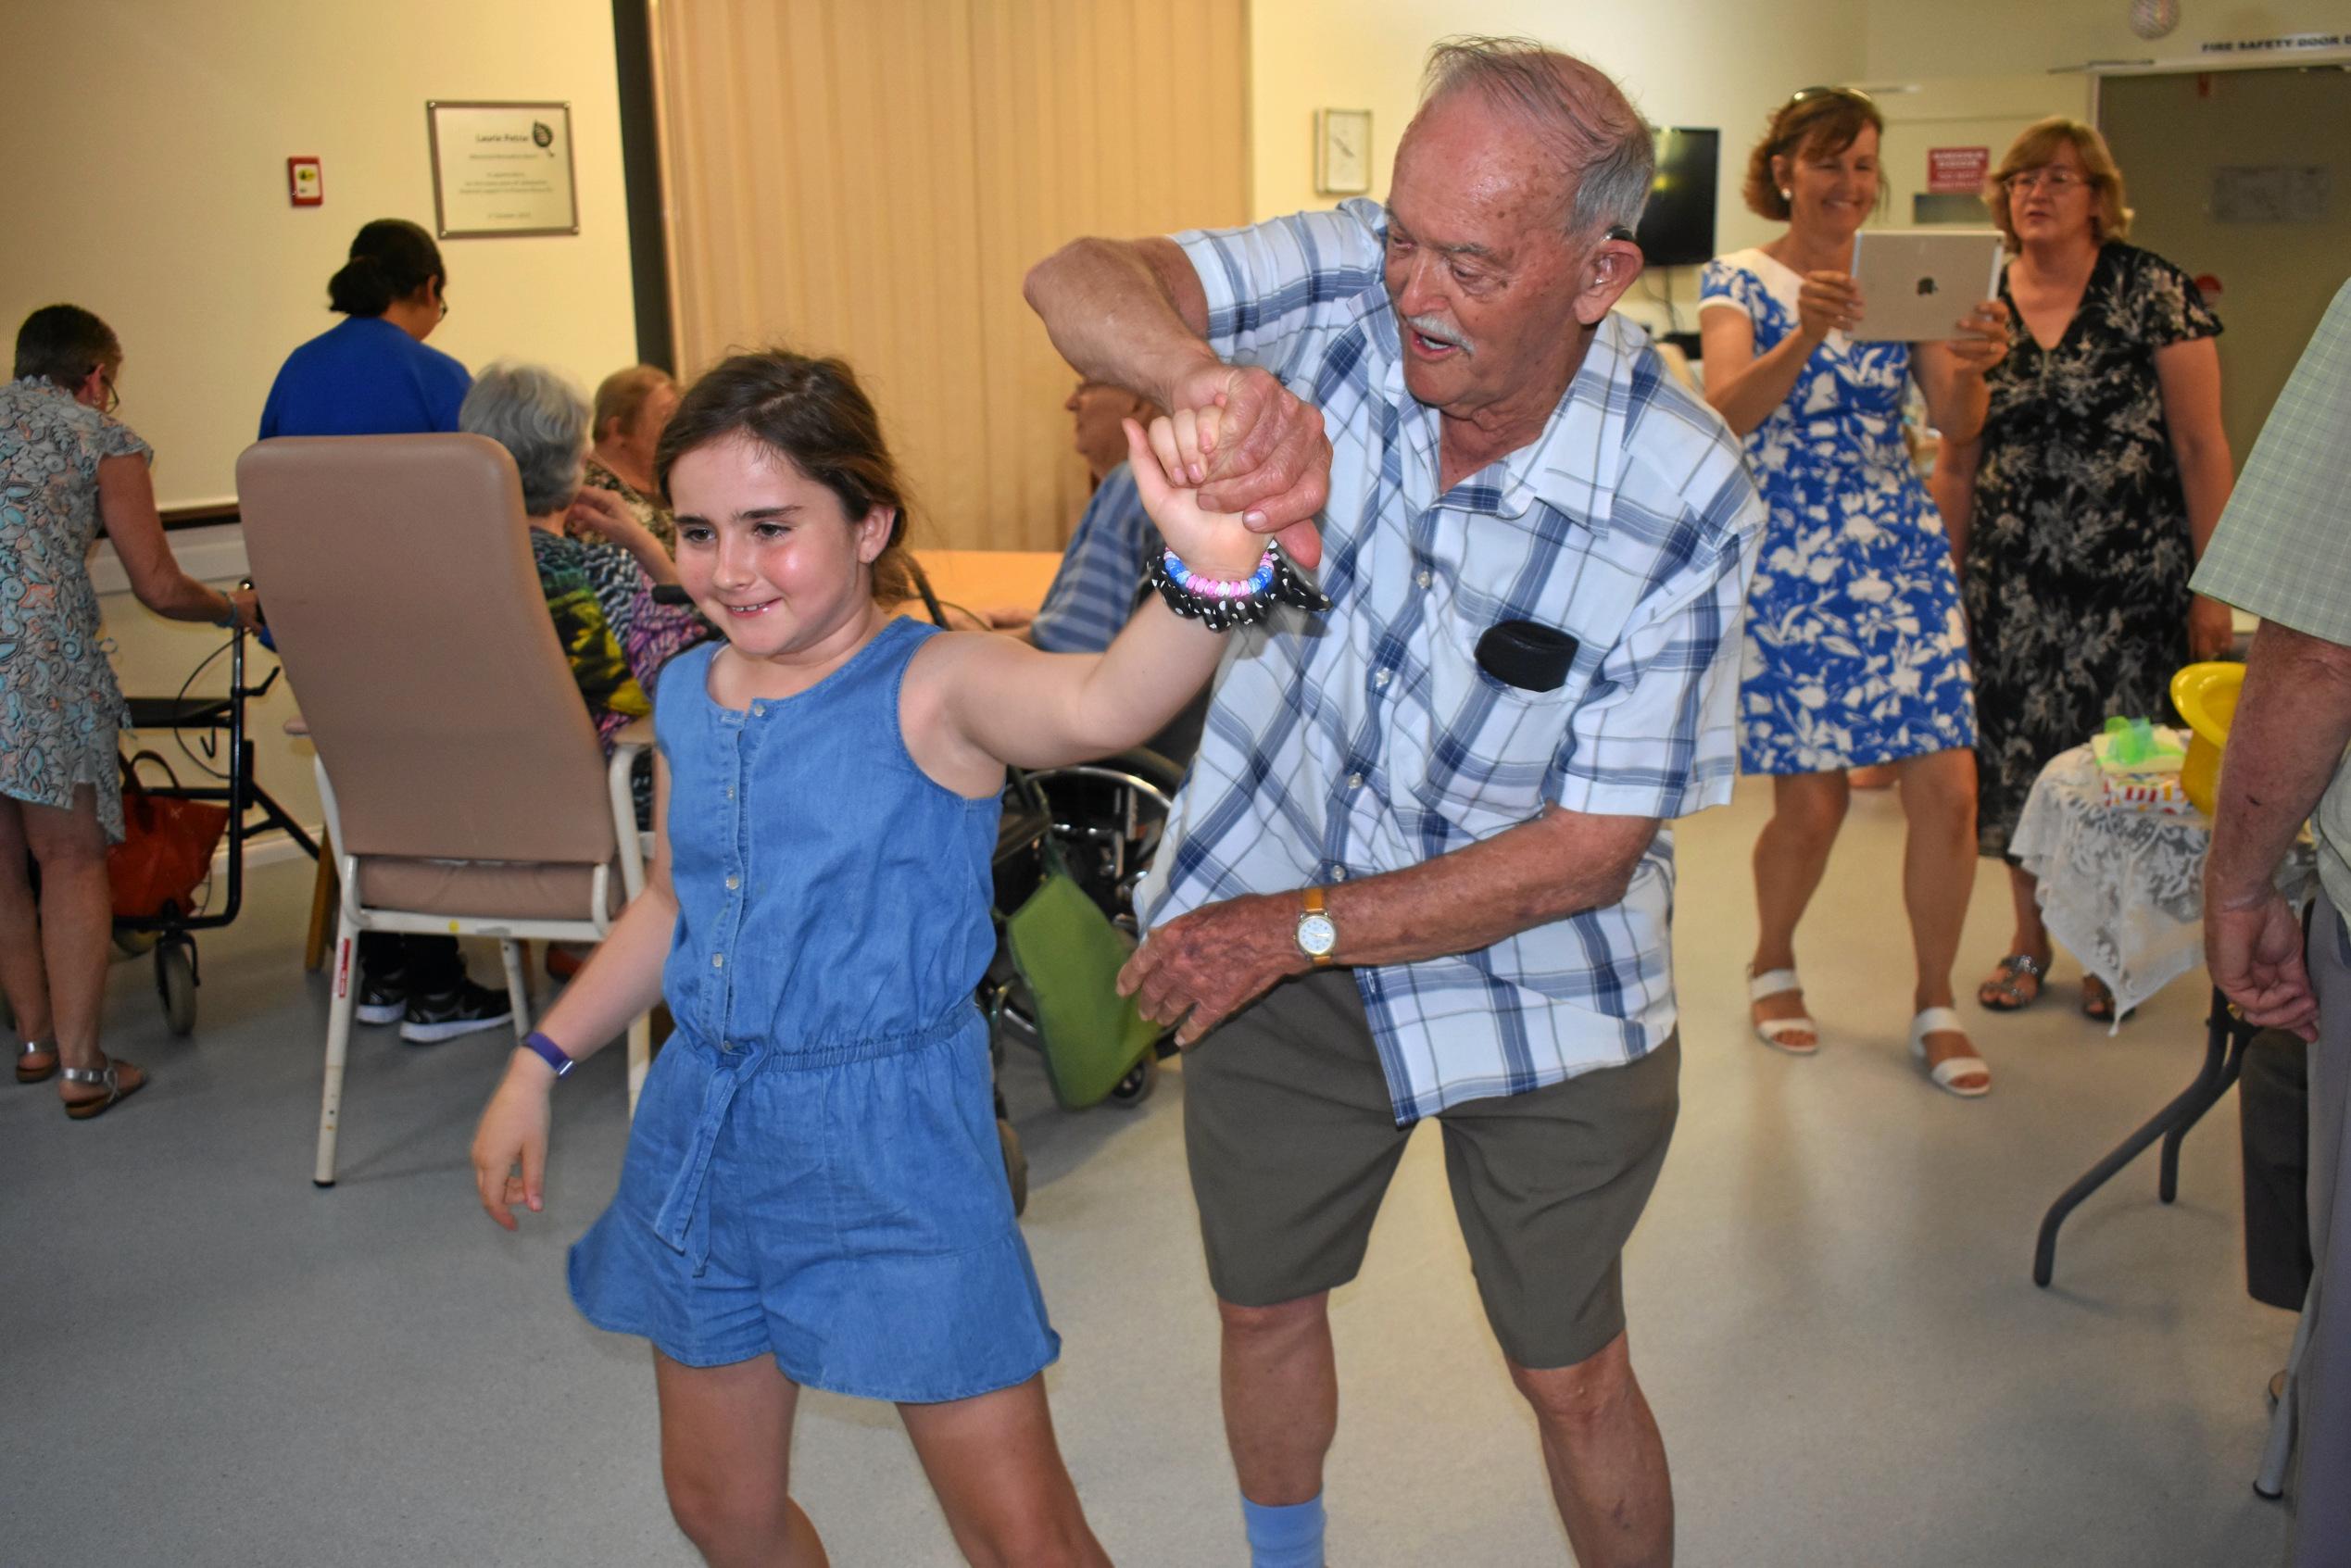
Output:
(1284, 1537)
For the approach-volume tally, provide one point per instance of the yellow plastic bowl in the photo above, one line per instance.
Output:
(2205, 696)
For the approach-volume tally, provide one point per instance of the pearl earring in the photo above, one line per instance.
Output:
(1787, 195)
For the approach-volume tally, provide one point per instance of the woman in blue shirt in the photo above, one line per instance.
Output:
(372, 375)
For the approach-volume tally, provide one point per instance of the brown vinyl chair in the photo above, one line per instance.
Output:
(464, 789)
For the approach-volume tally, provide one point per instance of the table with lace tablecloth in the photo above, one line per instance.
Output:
(2122, 888)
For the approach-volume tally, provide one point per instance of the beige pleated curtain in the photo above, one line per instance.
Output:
(871, 178)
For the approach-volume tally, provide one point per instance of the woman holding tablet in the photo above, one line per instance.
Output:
(1856, 652)
(2103, 469)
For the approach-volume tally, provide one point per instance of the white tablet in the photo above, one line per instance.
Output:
(1916, 284)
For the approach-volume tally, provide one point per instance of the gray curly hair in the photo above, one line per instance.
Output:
(539, 417)
(1604, 149)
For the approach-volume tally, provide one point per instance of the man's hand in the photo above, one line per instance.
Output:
(2254, 952)
(1268, 457)
(1215, 961)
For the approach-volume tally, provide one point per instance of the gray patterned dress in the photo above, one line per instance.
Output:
(59, 704)
(2077, 573)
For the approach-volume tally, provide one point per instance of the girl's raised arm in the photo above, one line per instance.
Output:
(982, 701)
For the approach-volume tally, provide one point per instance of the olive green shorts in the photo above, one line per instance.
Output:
(1292, 1139)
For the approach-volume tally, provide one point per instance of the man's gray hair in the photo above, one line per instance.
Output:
(542, 418)
(1604, 147)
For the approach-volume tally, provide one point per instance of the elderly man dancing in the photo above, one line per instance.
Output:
(1419, 868)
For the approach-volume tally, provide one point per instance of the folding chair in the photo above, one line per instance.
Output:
(464, 788)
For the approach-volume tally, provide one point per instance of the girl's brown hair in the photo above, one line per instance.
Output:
(1823, 121)
(2035, 148)
(814, 413)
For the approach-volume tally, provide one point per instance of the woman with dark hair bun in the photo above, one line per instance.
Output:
(372, 374)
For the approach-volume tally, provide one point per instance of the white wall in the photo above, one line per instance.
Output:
(148, 141)
(1683, 62)
(1912, 38)
(158, 197)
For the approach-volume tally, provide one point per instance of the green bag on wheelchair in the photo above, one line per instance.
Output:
(1068, 954)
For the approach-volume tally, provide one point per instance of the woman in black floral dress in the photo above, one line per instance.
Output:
(2100, 472)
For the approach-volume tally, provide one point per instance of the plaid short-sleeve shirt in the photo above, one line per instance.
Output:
(1369, 739)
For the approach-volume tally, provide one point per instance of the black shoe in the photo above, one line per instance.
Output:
(383, 998)
(446, 1015)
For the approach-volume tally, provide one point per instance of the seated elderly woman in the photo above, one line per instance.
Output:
(599, 588)
(631, 408)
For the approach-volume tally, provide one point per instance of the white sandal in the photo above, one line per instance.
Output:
(1942, 1021)
(1774, 1032)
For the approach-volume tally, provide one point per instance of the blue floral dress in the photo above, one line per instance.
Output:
(59, 704)
(1855, 649)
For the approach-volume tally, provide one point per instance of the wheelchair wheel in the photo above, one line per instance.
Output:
(1107, 817)
(1136, 1087)
(1015, 1164)
(175, 982)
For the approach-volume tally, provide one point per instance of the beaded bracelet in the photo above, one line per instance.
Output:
(1221, 604)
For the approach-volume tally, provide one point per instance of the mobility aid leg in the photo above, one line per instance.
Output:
(338, 1044)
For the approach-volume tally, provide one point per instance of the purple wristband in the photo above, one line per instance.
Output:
(546, 1050)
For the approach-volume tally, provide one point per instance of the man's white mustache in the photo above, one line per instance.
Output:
(1436, 330)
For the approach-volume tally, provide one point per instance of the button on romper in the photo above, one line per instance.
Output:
(813, 1170)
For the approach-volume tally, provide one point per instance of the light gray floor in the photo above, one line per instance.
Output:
(205, 1361)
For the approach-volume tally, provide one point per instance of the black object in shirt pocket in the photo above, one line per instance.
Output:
(1526, 654)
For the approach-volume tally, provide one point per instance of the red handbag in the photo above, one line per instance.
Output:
(166, 847)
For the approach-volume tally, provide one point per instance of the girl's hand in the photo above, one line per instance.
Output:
(513, 1133)
(1217, 544)
(1828, 302)
(1982, 338)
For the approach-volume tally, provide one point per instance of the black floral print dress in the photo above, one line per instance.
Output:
(2076, 582)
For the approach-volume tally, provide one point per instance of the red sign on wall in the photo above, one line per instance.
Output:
(1954, 170)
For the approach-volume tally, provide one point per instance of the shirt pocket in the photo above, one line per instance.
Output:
(1492, 744)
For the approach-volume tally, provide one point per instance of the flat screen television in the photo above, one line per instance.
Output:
(1678, 228)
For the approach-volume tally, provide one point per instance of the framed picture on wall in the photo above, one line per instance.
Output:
(1342, 152)
(501, 170)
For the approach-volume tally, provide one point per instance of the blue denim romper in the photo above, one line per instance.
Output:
(813, 1170)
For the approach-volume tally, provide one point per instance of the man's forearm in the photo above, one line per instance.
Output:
(2292, 723)
(1110, 313)
(1560, 864)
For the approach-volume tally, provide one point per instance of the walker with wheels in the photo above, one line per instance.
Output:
(170, 934)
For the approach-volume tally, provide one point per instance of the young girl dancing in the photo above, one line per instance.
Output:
(813, 1192)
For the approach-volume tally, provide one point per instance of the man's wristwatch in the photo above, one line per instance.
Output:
(1317, 934)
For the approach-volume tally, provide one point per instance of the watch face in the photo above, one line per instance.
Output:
(1317, 935)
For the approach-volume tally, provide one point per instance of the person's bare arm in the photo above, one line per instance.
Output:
(976, 701)
(1133, 313)
(2189, 374)
(1745, 386)
(1951, 374)
(1953, 485)
(1129, 312)
(126, 507)
(605, 516)
(620, 980)
(2293, 721)
(1201, 968)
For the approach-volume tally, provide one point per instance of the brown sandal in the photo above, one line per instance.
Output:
(2004, 991)
(110, 1078)
(2097, 1000)
(36, 1059)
